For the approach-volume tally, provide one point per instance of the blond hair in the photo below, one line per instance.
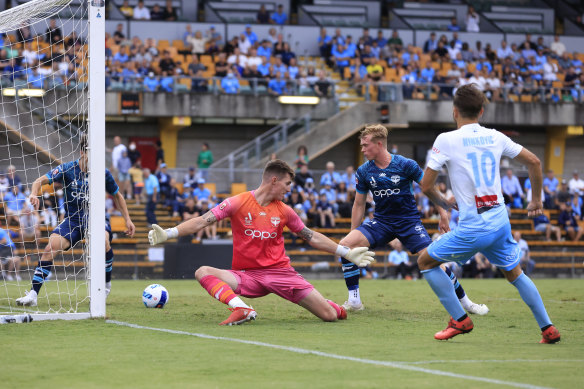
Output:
(377, 132)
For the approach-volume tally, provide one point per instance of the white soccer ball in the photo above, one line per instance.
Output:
(155, 296)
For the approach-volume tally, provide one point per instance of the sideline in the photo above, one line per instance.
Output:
(396, 365)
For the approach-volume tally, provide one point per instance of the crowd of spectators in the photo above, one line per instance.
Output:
(184, 198)
(45, 60)
(268, 63)
(530, 68)
(528, 71)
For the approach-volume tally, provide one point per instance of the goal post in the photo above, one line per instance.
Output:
(96, 148)
(48, 101)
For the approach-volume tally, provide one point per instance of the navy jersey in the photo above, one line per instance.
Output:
(391, 187)
(76, 187)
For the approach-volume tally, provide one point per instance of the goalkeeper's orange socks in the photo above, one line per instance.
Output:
(41, 272)
(221, 291)
(109, 263)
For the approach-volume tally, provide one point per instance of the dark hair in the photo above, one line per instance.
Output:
(278, 168)
(469, 101)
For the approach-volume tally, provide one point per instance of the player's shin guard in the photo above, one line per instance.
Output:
(351, 273)
(442, 286)
(41, 272)
(529, 293)
(109, 263)
(457, 287)
(218, 289)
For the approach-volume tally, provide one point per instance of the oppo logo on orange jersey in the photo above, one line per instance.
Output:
(260, 234)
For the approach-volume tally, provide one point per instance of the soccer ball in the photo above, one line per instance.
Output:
(155, 296)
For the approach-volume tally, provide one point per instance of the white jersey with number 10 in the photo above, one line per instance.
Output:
(472, 155)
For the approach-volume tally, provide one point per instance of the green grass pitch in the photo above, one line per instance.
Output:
(397, 327)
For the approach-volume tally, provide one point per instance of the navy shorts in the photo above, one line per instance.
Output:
(410, 232)
(108, 228)
(74, 231)
(70, 229)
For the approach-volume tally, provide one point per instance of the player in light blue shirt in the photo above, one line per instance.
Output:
(74, 178)
(472, 154)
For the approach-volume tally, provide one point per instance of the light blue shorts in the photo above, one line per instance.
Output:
(498, 246)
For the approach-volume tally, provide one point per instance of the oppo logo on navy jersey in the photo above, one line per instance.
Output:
(79, 195)
(386, 192)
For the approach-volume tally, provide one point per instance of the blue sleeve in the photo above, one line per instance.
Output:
(57, 173)
(361, 183)
(111, 186)
(414, 171)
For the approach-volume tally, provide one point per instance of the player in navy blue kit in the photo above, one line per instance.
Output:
(389, 178)
(74, 178)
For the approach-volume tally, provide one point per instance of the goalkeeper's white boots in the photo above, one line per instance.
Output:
(29, 300)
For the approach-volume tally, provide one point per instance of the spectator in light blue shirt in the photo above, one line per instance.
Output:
(350, 178)
(324, 43)
(35, 80)
(251, 36)
(15, 200)
(166, 82)
(427, 74)
(279, 17)
(265, 50)
(512, 190)
(264, 68)
(278, 66)
(277, 86)
(550, 188)
(293, 69)
(331, 177)
(121, 56)
(152, 189)
(200, 192)
(350, 46)
(151, 83)
(397, 255)
(229, 83)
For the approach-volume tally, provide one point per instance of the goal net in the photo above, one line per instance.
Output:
(45, 110)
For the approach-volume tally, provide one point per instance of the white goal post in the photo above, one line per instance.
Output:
(52, 91)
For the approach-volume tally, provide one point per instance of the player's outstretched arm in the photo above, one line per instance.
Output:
(526, 157)
(360, 256)
(192, 226)
(428, 185)
(123, 208)
(35, 190)
(358, 210)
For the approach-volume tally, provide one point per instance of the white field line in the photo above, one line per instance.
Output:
(544, 301)
(395, 365)
(494, 361)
